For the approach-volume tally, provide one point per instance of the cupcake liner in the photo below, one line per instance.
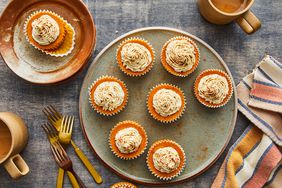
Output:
(154, 114)
(169, 68)
(139, 41)
(120, 126)
(123, 185)
(68, 44)
(99, 109)
(203, 101)
(150, 164)
(65, 47)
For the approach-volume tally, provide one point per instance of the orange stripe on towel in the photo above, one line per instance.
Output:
(268, 163)
(266, 92)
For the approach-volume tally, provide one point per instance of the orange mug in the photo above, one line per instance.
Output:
(13, 138)
(244, 18)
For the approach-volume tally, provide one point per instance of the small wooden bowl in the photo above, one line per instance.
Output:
(31, 64)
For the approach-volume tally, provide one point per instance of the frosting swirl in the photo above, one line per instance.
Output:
(128, 140)
(109, 95)
(45, 30)
(166, 102)
(166, 159)
(135, 57)
(213, 88)
(180, 55)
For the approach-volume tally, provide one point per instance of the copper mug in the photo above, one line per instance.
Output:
(244, 18)
(13, 139)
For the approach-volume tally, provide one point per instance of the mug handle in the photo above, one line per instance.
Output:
(248, 22)
(16, 166)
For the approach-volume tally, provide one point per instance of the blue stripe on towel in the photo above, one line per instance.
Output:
(253, 148)
(246, 84)
(265, 83)
(265, 100)
(266, 75)
(276, 62)
(259, 162)
(258, 118)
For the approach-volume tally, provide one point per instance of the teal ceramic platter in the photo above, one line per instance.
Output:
(202, 132)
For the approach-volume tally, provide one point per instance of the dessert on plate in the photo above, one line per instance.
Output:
(166, 103)
(135, 56)
(166, 159)
(49, 33)
(180, 56)
(108, 95)
(123, 185)
(213, 88)
(128, 140)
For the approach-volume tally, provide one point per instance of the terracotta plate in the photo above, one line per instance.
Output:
(33, 65)
(203, 133)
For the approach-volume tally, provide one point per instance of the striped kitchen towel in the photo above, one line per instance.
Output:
(250, 162)
(254, 160)
(259, 94)
(266, 91)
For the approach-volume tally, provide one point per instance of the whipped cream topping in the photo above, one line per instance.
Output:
(109, 95)
(166, 102)
(166, 159)
(213, 88)
(180, 55)
(135, 57)
(45, 30)
(128, 140)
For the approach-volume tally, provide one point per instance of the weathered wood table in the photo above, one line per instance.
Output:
(113, 18)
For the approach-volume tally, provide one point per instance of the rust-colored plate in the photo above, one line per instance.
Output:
(30, 63)
(202, 132)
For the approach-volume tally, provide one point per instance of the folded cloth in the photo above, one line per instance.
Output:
(253, 91)
(250, 161)
(266, 91)
(254, 160)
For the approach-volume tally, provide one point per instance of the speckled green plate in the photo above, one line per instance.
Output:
(202, 132)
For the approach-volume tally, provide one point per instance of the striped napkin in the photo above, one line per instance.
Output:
(254, 160)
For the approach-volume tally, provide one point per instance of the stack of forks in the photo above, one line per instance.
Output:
(59, 131)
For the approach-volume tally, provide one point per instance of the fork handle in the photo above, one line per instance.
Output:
(79, 181)
(87, 164)
(72, 180)
(60, 178)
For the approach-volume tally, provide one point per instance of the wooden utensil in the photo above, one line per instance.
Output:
(64, 161)
(55, 118)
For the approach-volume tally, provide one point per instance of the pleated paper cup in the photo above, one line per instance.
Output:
(169, 68)
(142, 42)
(154, 113)
(100, 109)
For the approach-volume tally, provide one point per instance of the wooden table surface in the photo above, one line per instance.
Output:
(113, 18)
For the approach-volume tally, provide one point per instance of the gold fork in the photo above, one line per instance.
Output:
(55, 118)
(64, 161)
(66, 129)
(52, 135)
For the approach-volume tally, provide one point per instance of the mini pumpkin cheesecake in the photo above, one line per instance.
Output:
(123, 185)
(166, 103)
(180, 56)
(166, 159)
(213, 88)
(128, 140)
(50, 33)
(108, 95)
(135, 56)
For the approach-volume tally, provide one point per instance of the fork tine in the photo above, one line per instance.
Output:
(56, 154)
(52, 113)
(55, 111)
(71, 126)
(63, 124)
